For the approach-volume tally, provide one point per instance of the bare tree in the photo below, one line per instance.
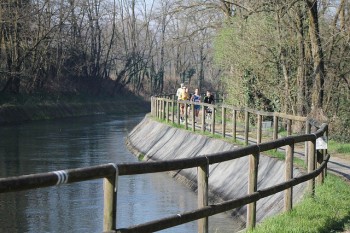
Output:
(317, 54)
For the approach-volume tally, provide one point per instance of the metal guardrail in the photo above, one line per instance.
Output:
(317, 163)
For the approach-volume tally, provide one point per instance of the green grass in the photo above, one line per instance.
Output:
(327, 212)
(141, 156)
(276, 154)
(339, 148)
(281, 155)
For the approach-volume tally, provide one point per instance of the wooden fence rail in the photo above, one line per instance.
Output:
(229, 115)
(160, 109)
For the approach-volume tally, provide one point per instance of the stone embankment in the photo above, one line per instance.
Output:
(17, 114)
(155, 141)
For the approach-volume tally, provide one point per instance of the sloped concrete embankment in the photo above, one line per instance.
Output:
(227, 180)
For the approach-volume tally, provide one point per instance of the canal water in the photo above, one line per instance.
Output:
(44, 146)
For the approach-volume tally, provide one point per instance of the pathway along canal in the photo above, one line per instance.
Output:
(44, 146)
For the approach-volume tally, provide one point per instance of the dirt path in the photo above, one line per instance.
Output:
(339, 166)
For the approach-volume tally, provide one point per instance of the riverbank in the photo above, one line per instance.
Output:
(228, 180)
(11, 114)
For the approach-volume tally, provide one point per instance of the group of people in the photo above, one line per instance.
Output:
(184, 94)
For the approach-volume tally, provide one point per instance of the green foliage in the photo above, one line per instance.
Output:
(260, 59)
(328, 211)
(339, 147)
(247, 49)
(340, 117)
(141, 156)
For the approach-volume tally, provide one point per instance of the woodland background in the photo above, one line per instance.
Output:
(286, 56)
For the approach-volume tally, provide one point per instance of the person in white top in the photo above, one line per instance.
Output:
(179, 90)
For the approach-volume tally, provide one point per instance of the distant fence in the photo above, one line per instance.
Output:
(224, 119)
(316, 167)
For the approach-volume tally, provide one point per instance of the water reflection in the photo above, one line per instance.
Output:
(78, 142)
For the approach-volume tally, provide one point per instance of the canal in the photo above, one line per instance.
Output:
(44, 146)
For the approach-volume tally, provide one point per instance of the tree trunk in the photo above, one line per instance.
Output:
(317, 54)
(301, 92)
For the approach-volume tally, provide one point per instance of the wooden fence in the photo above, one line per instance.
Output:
(317, 162)
(224, 120)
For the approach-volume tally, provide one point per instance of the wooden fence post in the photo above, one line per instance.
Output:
(203, 118)
(246, 130)
(259, 129)
(173, 110)
(252, 187)
(326, 152)
(152, 107)
(159, 109)
(307, 131)
(311, 165)
(193, 118)
(186, 117)
(178, 113)
(110, 185)
(163, 108)
(156, 108)
(234, 124)
(289, 127)
(203, 174)
(223, 121)
(288, 193)
(275, 128)
(167, 103)
(213, 121)
(320, 158)
(321, 153)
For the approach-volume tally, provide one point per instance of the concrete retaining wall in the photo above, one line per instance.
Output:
(227, 180)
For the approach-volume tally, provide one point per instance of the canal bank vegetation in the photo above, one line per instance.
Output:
(327, 211)
(44, 106)
(42, 98)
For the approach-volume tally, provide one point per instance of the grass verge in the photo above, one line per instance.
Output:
(282, 156)
(327, 212)
(339, 148)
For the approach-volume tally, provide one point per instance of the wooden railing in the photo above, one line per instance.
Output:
(317, 163)
(225, 118)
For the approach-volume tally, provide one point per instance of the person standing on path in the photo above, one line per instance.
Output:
(179, 90)
(196, 98)
(184, 95)
(178, 95)
(208, 99)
